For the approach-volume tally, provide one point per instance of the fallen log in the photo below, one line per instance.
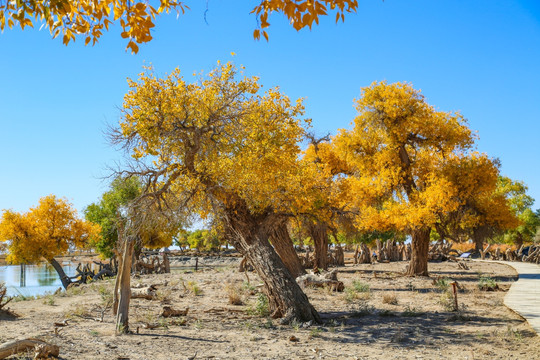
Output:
(148, 293)
(42, 350)
(317, 281)
(169, 312)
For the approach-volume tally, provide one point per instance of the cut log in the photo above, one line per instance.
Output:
(318, 281)
(148, 293)
(169, 312)
(42, 349)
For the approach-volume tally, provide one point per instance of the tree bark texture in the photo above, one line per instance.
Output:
(250, 235)
(284, 247)
(63, 277)
(418, 266)
(124, 289)
(318, 232)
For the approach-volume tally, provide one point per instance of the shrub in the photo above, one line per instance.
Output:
(447, 301)
(48, 300)
(234, 294)
(360, 286)
(262, 307)
(442, 283)
(194, 288)
(390, 299)
(487, 283)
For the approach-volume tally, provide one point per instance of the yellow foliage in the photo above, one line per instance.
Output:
(395, 158)
(475, 178)
(45, 231)
(90, 18)
(219, 140)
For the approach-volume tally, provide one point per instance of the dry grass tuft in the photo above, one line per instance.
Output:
(390, 298)
(234, 293)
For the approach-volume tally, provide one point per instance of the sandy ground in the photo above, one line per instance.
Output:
(397, 318)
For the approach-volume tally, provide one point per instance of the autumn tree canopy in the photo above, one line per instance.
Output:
(111, 213)
(515, 192)
(396, 153)
(483, 211)
(45, 231)
(88, 19)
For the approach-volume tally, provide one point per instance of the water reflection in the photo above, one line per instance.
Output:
(39, 279)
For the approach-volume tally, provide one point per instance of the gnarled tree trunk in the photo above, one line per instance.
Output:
(250, 236)
(63, 277)
(418, 265)
(284, 247)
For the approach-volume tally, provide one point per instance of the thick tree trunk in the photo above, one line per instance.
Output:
(124, 287)
(63, 277)
(519, 240)
(250, 236)
(284, 247)
(418, 266)
(478, 240)
(319, 234)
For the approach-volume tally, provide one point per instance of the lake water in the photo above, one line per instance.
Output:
(39, 279)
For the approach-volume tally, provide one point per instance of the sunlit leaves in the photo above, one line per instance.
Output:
(90, 18)
(303, 14)
(45, 231)
(396, 154)
(217, 140)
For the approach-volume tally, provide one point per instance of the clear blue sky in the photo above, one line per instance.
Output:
(481, 58)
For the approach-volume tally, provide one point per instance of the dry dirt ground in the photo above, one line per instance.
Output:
(381, 315)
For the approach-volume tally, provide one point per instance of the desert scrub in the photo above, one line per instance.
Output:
(358, 291)
(314, 333)
(390, 298)
(73, 290)
(105, 294)
(261, 306)
(249, 289)
(411, 311)
(446, 300)
(194, 288)
(164, 295)
(78, 310)
(48, 299)
(360, 287)
(234, 293)
(442, 283)
(487, 283)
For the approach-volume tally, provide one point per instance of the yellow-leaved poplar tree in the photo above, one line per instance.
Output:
(220, 147)
(45, 231)
(396, 154)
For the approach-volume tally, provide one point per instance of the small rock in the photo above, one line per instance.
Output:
(307, 324)
(293, 338)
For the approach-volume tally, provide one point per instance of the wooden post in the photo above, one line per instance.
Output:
(454, 291)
